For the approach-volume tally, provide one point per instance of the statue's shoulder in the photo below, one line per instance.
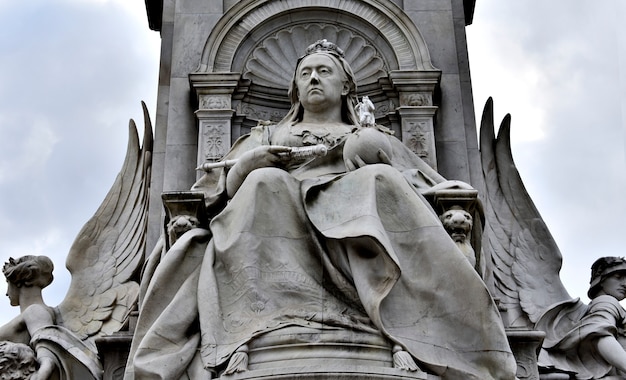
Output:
(38, 315)
(606, 303)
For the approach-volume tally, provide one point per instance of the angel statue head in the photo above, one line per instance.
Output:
(27, 271)
(17, 361)
(608, 277)
(337, 67)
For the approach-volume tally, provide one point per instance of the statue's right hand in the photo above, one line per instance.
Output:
(260, 157)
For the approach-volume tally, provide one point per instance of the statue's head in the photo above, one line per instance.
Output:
(17, 361)
(29, 271)
(608, 276)
(336, 55)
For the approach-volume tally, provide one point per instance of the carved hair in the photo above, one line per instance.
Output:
(349, 101)
(603, 268)
(17, 361)
(29, 271)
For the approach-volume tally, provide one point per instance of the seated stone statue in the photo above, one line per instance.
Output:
(330, 243)
(590, 340)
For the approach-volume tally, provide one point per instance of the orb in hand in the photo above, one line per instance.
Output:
(366, 143)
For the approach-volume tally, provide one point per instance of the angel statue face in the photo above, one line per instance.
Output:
(27, 271)
(608, 277)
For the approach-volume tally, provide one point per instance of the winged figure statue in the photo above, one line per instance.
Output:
(104, 261)
(582, 341)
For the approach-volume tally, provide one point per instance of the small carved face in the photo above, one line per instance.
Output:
(179, 225)
(614, 285)
(458, 223)
(13, 292)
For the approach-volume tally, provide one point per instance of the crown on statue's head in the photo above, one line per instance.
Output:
(323, 46)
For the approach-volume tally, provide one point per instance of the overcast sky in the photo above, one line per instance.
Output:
(73, 72)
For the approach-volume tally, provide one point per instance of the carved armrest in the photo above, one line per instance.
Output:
(184, 210)
(461, 214)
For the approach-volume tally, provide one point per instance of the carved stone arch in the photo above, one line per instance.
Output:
(239, 23)
(249, 59)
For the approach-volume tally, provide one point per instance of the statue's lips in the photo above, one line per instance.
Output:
(314, 89)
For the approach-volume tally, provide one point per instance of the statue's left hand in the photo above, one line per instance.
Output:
(357, 162)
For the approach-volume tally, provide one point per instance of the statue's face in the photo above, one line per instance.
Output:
(13, 292)
(614, 285)
(320, 82)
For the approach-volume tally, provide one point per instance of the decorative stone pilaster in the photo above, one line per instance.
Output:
(213, 92)
(416, 111)
(418, 131)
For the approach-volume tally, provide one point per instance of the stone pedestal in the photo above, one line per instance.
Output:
(525, 345)
(113, 351)
(341, 372)
(335, 354)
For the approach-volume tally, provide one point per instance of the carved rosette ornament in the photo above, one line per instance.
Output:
(418, 131)
(214, 144)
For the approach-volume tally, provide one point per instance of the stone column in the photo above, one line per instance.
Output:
(213, 92)
(416, 111)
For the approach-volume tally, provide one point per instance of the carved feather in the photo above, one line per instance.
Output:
(524, 260)
(108, 252)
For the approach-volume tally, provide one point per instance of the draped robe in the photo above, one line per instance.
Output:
(317, 246)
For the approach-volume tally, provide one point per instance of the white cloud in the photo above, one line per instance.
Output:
(29, 153)
(71, 76)
(575, 169)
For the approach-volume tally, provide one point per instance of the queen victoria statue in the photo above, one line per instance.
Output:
(318, 241)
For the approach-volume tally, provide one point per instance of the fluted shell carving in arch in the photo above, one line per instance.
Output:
(272, 64)
(384, 17)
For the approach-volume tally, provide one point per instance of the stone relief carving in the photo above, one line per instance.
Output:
(103, 262)
(214, 102)
(415, 100)
(214, 145)
(417, 140)
(260, 113)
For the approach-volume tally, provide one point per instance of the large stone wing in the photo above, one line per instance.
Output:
(108, 252)
(522, 257)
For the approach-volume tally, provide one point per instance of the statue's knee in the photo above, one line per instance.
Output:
(382, 170)
(267, 175)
